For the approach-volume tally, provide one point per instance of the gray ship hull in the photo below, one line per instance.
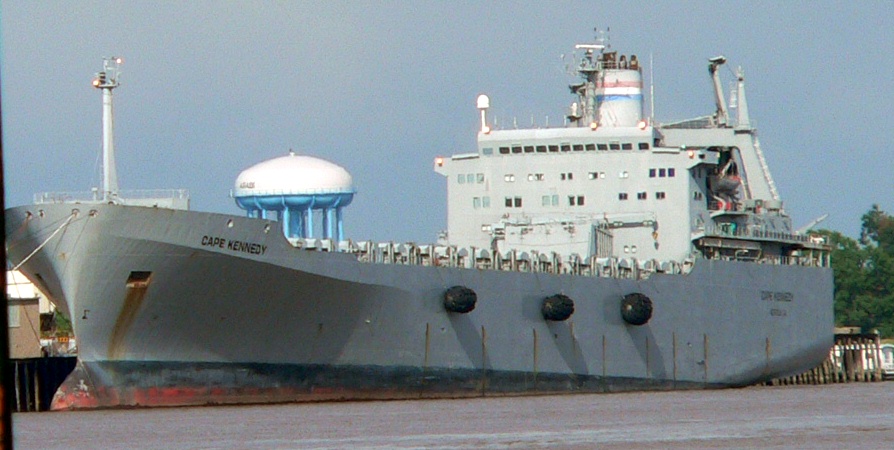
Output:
(184, 308)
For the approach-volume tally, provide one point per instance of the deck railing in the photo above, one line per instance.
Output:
(96, 196)
(533, 261)
(751, 233)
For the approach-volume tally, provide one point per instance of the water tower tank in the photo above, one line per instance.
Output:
(296, 188)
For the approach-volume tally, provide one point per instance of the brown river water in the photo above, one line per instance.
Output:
(858, 415)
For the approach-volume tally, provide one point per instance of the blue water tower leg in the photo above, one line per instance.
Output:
(285, 218)
(327, 224)
(340, 231)
(309, 223)
(297, 217)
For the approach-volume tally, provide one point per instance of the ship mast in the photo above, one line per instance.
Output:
(589, 70)
(108, 80)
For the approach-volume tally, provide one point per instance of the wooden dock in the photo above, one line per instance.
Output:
(855, 357)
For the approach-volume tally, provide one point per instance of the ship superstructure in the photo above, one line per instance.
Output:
(613, 184)
(611, 253)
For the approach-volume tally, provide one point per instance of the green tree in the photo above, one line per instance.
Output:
(864, 274)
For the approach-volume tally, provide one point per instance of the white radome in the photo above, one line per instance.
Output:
(293, 174)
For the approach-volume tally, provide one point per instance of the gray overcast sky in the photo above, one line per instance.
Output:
(211, 88)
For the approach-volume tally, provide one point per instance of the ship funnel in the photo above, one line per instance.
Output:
(619, 91)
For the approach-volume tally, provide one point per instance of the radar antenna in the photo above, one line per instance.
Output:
(107, 80)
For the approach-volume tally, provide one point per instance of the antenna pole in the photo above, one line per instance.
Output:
(651, 92)
(107, 80)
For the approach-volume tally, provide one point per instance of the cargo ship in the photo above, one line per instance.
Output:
(612, 252)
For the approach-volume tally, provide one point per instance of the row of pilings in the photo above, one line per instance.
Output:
(36, 381)
(855, 357)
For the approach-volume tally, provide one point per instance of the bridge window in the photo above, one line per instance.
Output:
(627, 146)
(516, 149)
(578, 147)
(529, 149)
(576, 200)
(553, 148)
(602, 146)
(643, 145)
(504, 150)
(566, 147)
(541, 149)
(661, 172)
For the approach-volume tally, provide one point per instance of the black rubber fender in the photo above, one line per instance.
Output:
(557, 308)
(636, 309)
(460, 299)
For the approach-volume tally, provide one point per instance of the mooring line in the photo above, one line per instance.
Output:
(42, 244)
